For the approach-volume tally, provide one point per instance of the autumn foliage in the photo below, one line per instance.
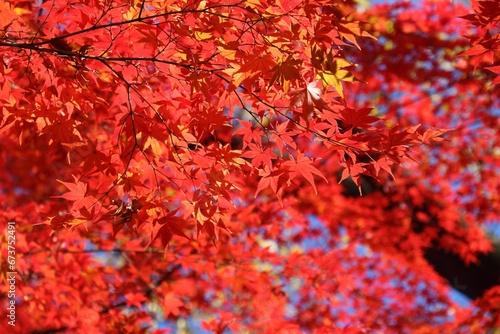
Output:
(247, 166)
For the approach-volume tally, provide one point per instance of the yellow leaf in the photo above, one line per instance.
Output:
(202, 5)
(76, 221)
(342, 63)
(253, 3)
(228, 54)
(334, 74)
(105, 76)
(132, 13)
(201, 36)
(154, 144)
(329, 79)
(181, 55)
(22, 11)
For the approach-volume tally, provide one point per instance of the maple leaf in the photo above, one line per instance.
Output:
(308, 98)
(135, 299)
(354, 171)
(253, 67)
(78, 194)
(496, 70)
(172, 304)
(433, 135)
(333, 73)
(166, 228)
(303, 165)
(167, 110)
(283, 137)
(9, 13)
(270, 179)
(357, 118)
(385, 164)
(259, 156)
(284, 72)
(250, 133)
(63, 130)
(403, 138)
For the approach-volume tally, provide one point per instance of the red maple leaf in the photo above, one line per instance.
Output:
(270, 179)
(78, 194)
(357, 118)
(166, 228)
(303, 166)
(308, 98)
(135, 299)
(172, 304)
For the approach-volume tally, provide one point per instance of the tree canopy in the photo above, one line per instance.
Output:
(248, 166)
